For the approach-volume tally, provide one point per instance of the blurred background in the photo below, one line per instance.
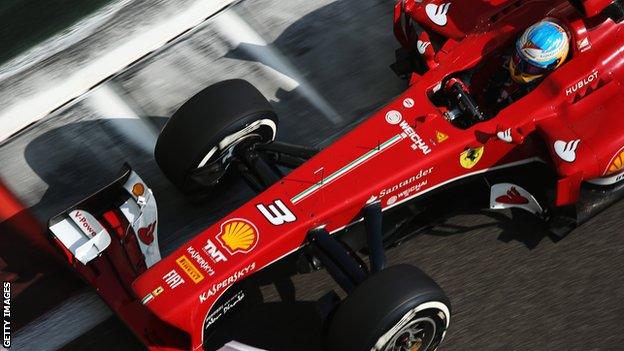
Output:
(86, 85)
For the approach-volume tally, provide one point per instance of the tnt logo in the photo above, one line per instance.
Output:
(213, 252)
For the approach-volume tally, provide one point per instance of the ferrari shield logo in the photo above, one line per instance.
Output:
(471, 157)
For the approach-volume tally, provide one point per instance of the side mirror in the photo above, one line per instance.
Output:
(591, 8)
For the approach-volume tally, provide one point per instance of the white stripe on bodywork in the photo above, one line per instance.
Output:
(344, 170)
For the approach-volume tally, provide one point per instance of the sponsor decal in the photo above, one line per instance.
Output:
(616, 164)
(138, 189)
(512, 197)
(346, 169)
(422, 46)
(408, 103)
(566, 150)
(441, 137)
(409, 185)
(417, 142)
(223, 309)
(149, 297)
(438, 13)
(277, 213)
(394, 117)
(531, 45)
(371, 200)
(392, 200)
(147, 234)
(238, 235)
(614, 173)
(507, 195)
(189, 268)
(582, 83)
(87, 223)
(200, 260)
(217, 287)
(505, 135)
(6, 314)
(213, 252)
(469, 158)
(583, 44)
(407, 192)
(173, 279)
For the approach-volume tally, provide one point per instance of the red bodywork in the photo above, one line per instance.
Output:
(408, 148)
(400, 153)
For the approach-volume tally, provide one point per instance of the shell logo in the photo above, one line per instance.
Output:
(238, 235)
(617, 163)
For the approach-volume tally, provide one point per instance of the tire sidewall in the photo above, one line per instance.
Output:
(395, 321)
(380, 303)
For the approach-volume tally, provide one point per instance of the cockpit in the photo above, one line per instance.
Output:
(504, 76)
(508, 73)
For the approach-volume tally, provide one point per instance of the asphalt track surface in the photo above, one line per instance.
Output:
(512, 288)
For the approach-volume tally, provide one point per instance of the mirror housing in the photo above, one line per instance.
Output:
(591, 8)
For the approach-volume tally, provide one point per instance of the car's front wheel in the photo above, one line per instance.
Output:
(397, 309)
(202, 134)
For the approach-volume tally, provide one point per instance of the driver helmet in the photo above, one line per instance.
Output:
(541, 49)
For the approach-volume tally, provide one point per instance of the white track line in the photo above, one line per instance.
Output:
(108, 103)
(68, 37)
(36, 107)
(59, 326)
(237, 32)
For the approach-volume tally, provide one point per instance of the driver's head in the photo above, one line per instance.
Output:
(542, 48)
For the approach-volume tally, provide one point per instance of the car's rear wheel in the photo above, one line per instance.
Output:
(397, 309)
(204, 131)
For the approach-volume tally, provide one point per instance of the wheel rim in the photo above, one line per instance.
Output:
(223, 150)
(435, 312)
(417, 335)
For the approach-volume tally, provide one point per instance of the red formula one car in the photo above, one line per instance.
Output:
(554, 149)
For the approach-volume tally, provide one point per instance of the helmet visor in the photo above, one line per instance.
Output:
(526, 67)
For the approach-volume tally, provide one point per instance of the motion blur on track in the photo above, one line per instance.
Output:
(79, 135)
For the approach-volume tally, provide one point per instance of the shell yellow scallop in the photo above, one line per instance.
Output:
(238, 235)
